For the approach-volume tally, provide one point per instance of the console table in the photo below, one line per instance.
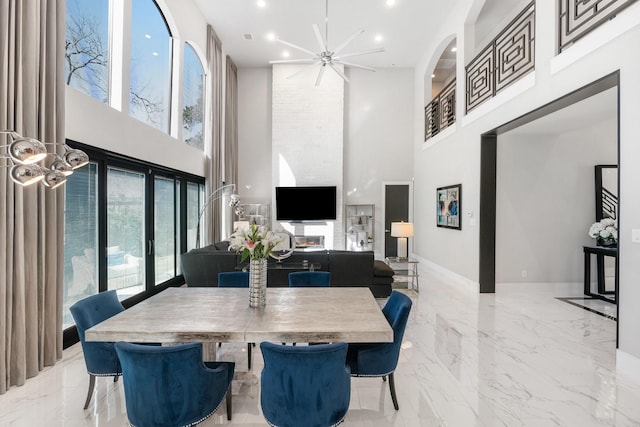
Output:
(600, 252)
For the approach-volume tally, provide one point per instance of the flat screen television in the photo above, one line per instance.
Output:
(306, 203)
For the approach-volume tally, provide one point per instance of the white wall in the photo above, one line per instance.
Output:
(455, 157)
(378, 138)
(545, 201)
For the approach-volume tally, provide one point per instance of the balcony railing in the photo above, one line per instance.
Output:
(577, 18)
(507, 58)
(440, 113)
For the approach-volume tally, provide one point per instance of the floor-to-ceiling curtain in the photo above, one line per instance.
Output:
(231, 125)
(31, 219)
(213, 146)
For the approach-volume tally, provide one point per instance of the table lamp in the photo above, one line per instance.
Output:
(402, 230)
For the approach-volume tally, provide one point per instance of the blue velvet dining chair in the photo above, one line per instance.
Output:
(99, 357)
(304, 386)
(233, 279)
(308, 279)
(236, 279)
(381, 359)
(171, 385)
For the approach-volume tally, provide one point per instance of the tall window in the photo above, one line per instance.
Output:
(193, 99)
(150, 68)
(195, 199)
(125, 231)
(80, 238)
(165, 206)
(86, 47)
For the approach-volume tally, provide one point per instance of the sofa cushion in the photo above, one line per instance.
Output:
(351, 268)
(222, 246)
(381, 268)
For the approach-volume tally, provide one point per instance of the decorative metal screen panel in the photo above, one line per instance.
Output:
(506, 59)
(579, 17)
(440, 113)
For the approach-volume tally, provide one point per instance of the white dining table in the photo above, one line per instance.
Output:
(210, 315)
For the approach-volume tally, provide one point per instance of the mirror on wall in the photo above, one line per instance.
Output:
(606, 192)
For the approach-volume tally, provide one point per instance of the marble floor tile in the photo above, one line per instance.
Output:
(519, 357)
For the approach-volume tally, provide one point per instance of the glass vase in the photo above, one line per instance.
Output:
(257, 282)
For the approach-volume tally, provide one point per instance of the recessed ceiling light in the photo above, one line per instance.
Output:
(453, 49)
(147, 36)
(285, 54)
(271, 37)
(261, 3)
(378, 38)
(391, 2)
(433, 76)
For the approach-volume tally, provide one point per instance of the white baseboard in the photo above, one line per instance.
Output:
(628, 365)
(431, 266)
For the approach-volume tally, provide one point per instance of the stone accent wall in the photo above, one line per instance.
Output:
(307, 139)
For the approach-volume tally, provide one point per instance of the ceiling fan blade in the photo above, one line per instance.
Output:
(320, 73)
(340, 73)
(351, 64)
(300, 71)
(347, 41)
(363, 52)
(294, 61)
(295, 46)
(321, 43)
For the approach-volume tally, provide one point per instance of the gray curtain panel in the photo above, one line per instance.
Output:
(32, 34)
(231, 125)
(213, 149)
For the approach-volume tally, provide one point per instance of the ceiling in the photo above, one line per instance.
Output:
(405, 28)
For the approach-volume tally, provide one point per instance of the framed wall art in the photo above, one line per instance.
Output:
(448, 206)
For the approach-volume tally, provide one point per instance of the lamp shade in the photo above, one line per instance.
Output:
(76, 158)
(27, 151)
(401, 229)
(27, 174)
(53, 178)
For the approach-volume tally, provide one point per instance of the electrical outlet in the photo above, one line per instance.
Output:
(524, 274)
(635, 235)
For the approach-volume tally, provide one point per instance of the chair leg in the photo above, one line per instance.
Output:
(228, 401)
(392, 388)
(249, 355)
(115, 378)
(92, 384)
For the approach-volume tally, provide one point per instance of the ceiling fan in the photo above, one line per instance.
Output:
(326, 57)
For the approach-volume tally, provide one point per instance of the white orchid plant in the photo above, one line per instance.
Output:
(605, 230)
(254, 242)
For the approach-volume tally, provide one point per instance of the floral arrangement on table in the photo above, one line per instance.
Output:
(605, 232)
(254, 242)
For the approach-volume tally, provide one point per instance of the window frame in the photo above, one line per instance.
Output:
(105, 159)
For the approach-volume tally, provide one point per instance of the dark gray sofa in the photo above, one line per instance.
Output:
(200, 268)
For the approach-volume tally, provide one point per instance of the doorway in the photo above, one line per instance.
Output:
(397, 204)
(488, 167)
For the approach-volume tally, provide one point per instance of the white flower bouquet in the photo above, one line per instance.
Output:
(255, 242)
(605, 231)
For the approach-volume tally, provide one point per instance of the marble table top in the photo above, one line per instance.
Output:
(223, 314)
